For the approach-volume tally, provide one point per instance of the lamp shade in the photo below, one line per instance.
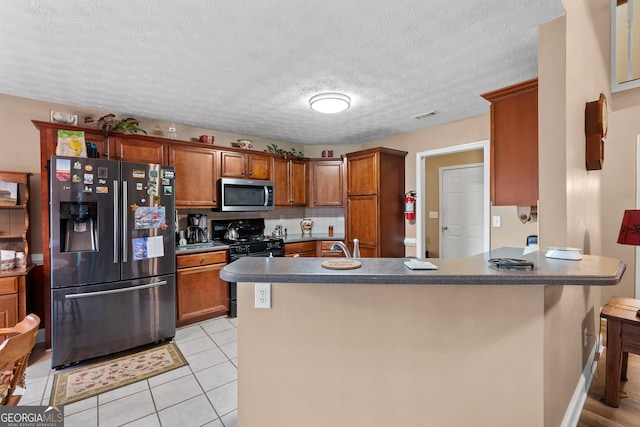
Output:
(630, 229)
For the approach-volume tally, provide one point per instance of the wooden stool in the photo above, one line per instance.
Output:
(623, 336)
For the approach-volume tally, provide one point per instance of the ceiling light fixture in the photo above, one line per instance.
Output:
(329, 103)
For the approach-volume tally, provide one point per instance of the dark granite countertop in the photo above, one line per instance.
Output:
(216, 245)
(475, 270)
(296, 238)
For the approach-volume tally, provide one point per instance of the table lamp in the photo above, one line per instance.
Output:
(630, 229)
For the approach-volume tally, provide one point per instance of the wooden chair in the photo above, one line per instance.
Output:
(14, 357)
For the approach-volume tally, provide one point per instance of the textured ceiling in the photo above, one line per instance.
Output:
(250, 66)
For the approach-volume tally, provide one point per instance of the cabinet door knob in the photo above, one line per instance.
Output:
(444, 227)
(201, 260)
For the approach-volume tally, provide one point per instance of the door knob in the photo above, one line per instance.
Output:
(444, 227)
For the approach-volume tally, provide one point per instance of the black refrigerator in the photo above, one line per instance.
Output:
(112, 228)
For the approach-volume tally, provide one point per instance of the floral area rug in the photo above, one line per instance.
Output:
(81, 383)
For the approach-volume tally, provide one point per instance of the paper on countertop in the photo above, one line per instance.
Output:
(414, 264)
(564, 253)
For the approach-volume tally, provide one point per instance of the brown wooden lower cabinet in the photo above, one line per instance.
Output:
(13, 284)
(200, 292)
(323, 249)
(303, 249)
(8, 310)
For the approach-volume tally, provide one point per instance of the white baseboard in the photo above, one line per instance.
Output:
(40, 335)
(572, 414)
(37, 259)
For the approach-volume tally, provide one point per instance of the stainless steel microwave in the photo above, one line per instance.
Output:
(239, 195)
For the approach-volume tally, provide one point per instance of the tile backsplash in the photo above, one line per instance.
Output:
(289, 218)
(322, 218)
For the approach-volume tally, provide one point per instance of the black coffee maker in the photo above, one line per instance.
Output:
(197, 229)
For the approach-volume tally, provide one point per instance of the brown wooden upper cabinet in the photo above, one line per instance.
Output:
(363, 174)
(514, 144)
(117, 146)
(195, 178)
(128, 148)
(101, 143)
(290, 182)
(131, 148)
(326, 183)
(247, 166)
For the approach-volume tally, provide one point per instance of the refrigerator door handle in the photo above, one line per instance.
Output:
(115, 222)
(116, 291)
(125, 217)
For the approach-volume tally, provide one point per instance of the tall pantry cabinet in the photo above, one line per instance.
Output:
(374, 211)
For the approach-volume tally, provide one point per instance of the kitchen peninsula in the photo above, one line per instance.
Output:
(380, 345)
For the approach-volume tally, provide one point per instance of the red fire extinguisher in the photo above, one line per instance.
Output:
(410, 205)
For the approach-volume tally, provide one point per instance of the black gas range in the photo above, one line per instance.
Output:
(250, 241)
(267, 247)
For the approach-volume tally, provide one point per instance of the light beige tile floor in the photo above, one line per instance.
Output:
(204, 393)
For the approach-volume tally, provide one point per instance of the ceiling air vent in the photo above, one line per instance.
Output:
(423, 115)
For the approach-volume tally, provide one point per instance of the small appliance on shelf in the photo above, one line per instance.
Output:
(197, 231)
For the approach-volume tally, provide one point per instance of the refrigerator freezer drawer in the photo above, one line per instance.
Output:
(97, 320)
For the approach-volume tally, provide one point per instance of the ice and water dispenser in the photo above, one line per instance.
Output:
(78, 226)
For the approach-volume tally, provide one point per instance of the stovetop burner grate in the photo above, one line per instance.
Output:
(249, 239)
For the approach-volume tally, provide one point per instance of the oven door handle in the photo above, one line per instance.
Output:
(116, 291)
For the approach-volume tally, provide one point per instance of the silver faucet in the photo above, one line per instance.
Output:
(343, 247)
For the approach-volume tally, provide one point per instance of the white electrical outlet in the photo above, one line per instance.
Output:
(584, 337)
(497, 220)
(263, 295)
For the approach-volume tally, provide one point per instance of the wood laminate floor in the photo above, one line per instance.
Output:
(596, 413)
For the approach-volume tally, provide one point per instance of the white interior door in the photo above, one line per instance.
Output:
(461, 211)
